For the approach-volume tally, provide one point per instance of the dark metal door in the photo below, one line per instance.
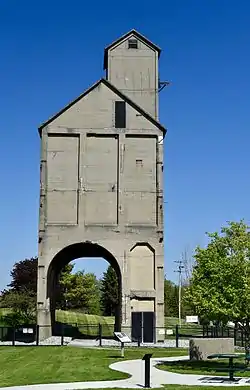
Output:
(148, 327)
(136, 326)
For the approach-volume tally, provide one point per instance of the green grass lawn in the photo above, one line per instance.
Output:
(34, 365)
(203, 367)
(173, 321)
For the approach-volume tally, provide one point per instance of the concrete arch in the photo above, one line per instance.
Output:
(73, 252)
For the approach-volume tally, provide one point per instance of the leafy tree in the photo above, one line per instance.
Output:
(24, 279)
(60, 288)
(81, 292)
(187, 308)
(24, 276)
(170, 298)
(109, 292)
(219, 287)
(23, 308)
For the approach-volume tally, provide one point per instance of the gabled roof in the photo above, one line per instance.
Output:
(136, 34)
(118, 93)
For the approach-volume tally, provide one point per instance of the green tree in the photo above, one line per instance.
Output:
(219, 287)
(170, 298)
(60, 289)
(186, 307)
(24, 276)
(109, 292)
(24, 280)
(81, 292)
(23, 308)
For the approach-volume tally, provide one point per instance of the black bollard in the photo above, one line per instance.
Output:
(147, 358)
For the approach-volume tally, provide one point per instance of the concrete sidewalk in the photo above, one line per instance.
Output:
(136, 369)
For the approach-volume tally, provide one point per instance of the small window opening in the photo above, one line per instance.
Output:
(132, 44)
(139, 163)
(120, 115)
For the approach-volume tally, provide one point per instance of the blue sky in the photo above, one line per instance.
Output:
(51, 51)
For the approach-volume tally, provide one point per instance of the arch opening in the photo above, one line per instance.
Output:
(73, 252)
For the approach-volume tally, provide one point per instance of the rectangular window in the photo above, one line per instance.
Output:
(138, 163)
(132, 44)
(120, 115)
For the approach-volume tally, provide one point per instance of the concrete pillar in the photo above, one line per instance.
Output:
(126, 311)
(160, 318)
(43, 303)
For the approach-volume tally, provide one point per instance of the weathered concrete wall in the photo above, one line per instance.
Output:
(104, 185)
(135, 73)
(95, 111)
(201, 348)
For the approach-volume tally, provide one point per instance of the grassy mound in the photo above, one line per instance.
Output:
(86, 324)
(72, 317)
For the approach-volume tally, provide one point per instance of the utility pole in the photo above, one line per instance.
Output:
(179, 270)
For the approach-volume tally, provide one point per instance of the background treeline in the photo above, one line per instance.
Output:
(216, 286)
(76, 291)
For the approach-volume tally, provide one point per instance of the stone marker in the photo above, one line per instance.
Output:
(201, 348)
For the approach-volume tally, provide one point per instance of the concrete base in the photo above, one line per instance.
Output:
(200, 349)
(44, 332)
(44, 322)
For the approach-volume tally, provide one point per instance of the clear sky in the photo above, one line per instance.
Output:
(51, 51)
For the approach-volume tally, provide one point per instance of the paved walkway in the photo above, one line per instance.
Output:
(136, 369)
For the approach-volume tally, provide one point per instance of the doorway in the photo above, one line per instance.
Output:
(143, 326)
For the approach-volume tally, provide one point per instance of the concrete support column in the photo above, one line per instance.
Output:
(126, 309)
(160, 319)
(126, 303)
(43, 304)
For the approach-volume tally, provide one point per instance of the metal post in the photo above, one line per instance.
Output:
(37, 334)
(14, 336)
(62, 328)
(100, 335)
(177, 336)
(231, 367)
(235, 334)
(122, 349)
(179, 299)
(147, 369)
